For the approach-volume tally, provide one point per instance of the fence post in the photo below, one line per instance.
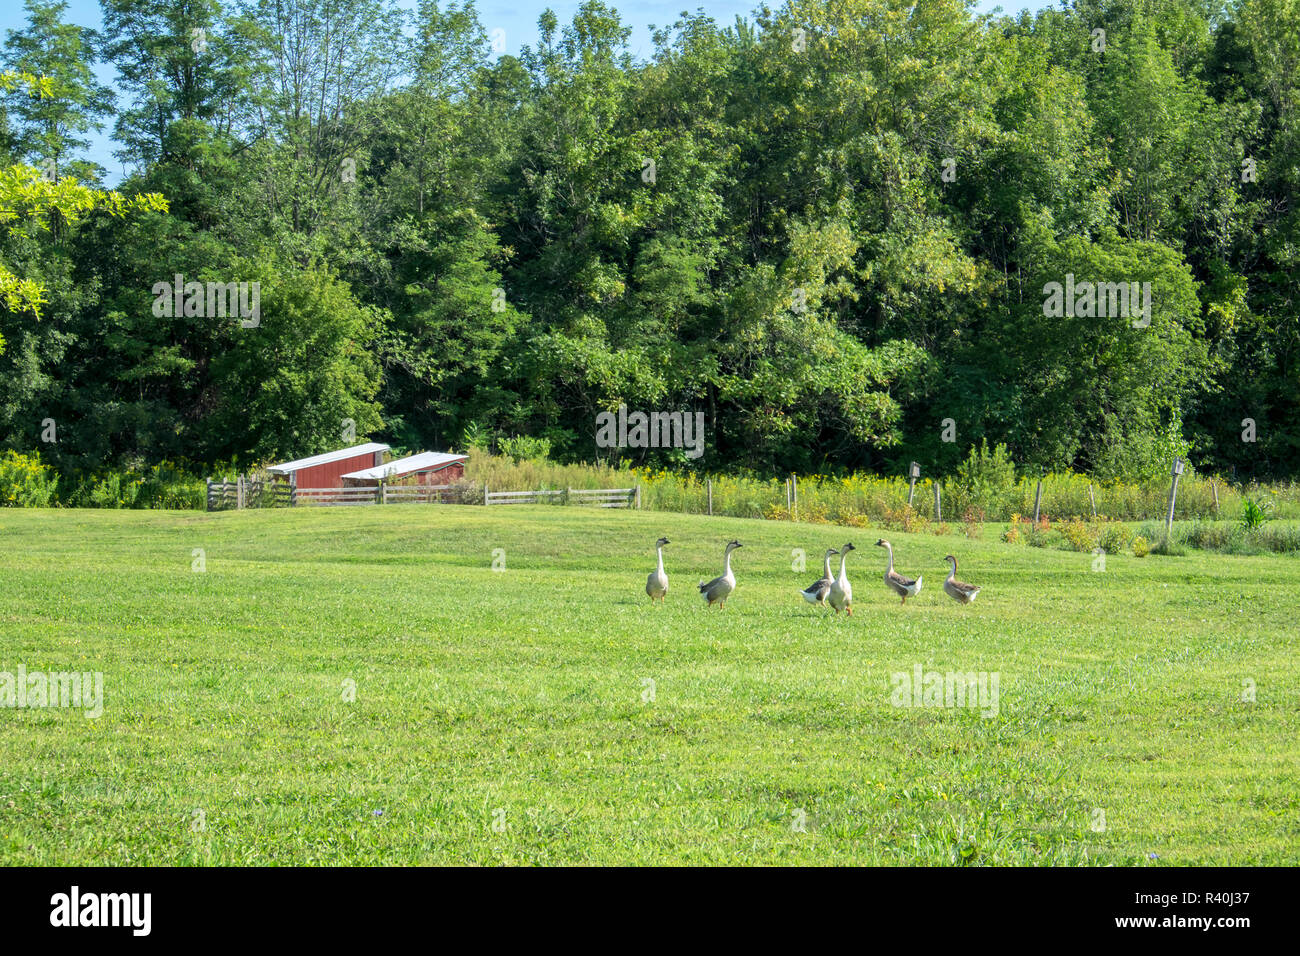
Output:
(293, 488)
(938, 507)
(485, 494)
(638, 496)
(913, 473)
(1214, 490)
(1092, 500)
(207, 501)
(239, 492)
(787, 496)
(794, 496)
(1038, 500)
(1175, 472)
(383, 492)
(709, 483)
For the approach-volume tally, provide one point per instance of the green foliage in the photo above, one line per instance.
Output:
(1255, 512)
(25, 481)
(826, 251)
(986, 480)
(164, 485)
(523, 448)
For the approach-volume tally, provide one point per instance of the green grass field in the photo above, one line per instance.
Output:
(505, 717)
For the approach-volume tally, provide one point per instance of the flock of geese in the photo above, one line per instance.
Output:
(835, 591)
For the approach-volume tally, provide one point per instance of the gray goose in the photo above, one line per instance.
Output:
(718, 590)
(819, 590)
(895, 581)
(959, 591)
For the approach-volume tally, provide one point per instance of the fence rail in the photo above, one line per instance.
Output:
(248, 493)
(600, 497)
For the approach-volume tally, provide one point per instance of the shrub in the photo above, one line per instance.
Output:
(986, 480)
(1111, 536)
(1255, 512)
(905, 519)
(25, 481)
(1276, 537)
(1079, 536)
(1167, 545)
(526, 448)
(1140, 547)
(1215, 536)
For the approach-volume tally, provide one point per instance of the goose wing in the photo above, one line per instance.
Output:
(714, 587)
(819, 588)
(897, 580)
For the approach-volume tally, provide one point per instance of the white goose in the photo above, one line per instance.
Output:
(841, 595)
(959, 591)
(819, 590)
(717, 590)
(896, 582)
(656, 585)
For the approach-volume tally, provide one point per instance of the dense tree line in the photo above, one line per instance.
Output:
(829, 227)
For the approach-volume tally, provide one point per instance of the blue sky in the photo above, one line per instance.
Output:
(519, 21)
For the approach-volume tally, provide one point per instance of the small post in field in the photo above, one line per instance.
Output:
(1214, 490)
(1092, 500)
(1038, 500)
(787, 496)
(485, 494)
(638, 496)
(938, 507)
(794, 496)
(708, 482)
(913, 473)
(1175, 473)
(239, 492)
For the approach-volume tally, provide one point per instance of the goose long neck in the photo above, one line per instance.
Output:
(660, 549)
(843, 557)
(826, 566)
(726, 563)
(952, 562)
(890, 549)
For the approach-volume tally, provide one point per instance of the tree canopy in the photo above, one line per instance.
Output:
(831, 227)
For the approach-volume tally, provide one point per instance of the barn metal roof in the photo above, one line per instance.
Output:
(329, 456)
(404, 466)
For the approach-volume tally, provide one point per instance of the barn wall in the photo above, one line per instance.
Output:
(330, 474)
(444, 476)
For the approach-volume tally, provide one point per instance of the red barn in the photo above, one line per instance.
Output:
(327, 470)
(426, 468)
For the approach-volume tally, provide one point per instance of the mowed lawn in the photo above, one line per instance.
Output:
(548, 714)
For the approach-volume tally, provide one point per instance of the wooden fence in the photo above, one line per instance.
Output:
(247, 493)
(600, 497)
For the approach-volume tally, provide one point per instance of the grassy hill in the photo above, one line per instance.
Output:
(548, 713)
